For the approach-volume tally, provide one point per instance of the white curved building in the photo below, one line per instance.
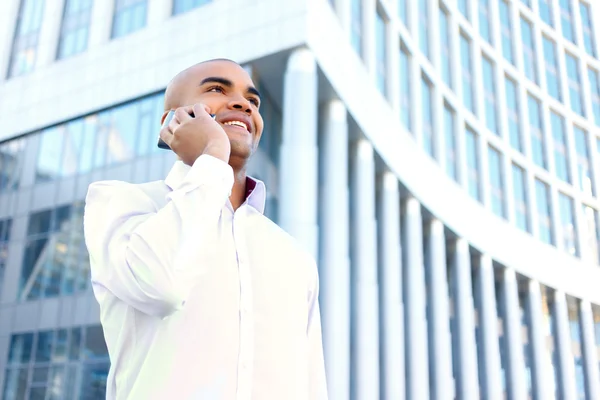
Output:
(440, 158)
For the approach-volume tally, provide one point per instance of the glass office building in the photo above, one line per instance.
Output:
(448, 153)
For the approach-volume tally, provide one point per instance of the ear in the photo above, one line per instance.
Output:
(162, 119)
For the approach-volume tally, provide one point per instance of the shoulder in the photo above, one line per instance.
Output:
(103, 193)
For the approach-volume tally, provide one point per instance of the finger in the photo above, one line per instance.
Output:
(182, 114)
(201, 111)
(166, 136)
(173, 125)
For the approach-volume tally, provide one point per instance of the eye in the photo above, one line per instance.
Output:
(254, 101)
(216, 89)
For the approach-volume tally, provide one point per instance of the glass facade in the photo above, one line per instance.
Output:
(472, 163)
(506, 29)
(512, 111)
(529, 58)
(446, 55)
(424, 27)
(587, 28)
(584, 165)
(594, 81)
(467, 75)
(356, 26)
(520, 199)
(551, 66)
(381, 36)
(567, 219)
(130, 16)
(489, 95)
(484, 20)
(574, 84)
(403, 11)
(561, 154)
(546, 11)
(536, 132)
(496, 184)
(566, 20)
(26, 37)
(542, 198)
(75, 27)
(450, 141)
(427, 112)
(181, 6)
(405, 77)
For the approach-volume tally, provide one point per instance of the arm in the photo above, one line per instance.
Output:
(316, 364)
(149, 258)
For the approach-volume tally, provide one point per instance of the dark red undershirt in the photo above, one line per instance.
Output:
(250, 185)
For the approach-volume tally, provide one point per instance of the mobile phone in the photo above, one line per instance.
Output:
(161, 143)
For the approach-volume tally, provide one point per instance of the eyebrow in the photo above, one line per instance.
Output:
(228, 83)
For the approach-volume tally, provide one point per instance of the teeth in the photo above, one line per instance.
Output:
(238, 123)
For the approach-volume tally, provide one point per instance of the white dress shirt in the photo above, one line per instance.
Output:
(198, 301)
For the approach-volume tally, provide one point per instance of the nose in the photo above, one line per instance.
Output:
(240, 103)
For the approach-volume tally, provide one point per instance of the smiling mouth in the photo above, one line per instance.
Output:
(238, 124)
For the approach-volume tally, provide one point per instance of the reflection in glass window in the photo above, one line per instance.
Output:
(576, 345)
(181, 6)
(489, 95)
(463, 7)
(496, 185)
(566, 20)
(506, 29)
(424, 27)
(594, 80)
(445, 48)
(467, 77)
(11, 163)
(405, 88)
(502, 337)
(356, 26)
(574, 84)
(525, 318)
(591, 239)
(484, 20)
(122, 133)
(381, 41)
(588, 30)
(50, 154)
(551, 66)
(5, 227)
(584, 175)
(542, 199)
(527, 3)
(450, 140)
(535, 131)
(529, 63)
(561, 160)
(546, 11)
(520, 197)
(26, 37)
(74, 31)
(130, 16)
(402, 11)
(551, 356)
(427, 113)
(512, 110)
(472, 163)
(567, 220)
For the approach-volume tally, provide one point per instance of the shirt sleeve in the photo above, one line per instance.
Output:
(316, 363)
(148, 257)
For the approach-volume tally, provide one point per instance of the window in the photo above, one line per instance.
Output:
(527, 3)
(467, 77)
(450, 140)
(130, 16)
(551, 65)
(529, 63)
(381, 52)
(576, 345)
(496, 185)
(518, 175)
(54, 360)
(542, 197)
(356, 27)
(489, 95)
(424, 27)
(484, 20)
(595, 91)
(463, 7)
(26, 37)
(506, 29)
(567, 220)
(512, 110)
(472, 163)
(561, 158)
(405, 88)
(427, 113)
(403, 11)
(75, 27)
(181, 6)
(591, 239)
(5, 226)
(588, 31)
(566, 20)
(536, 132)
(574, 84)
(546, 11)
(11, 164)
(584, 175)
(445, 48)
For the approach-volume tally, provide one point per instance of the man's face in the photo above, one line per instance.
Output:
(227, 89)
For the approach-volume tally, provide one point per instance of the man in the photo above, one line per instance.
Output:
(201, 296)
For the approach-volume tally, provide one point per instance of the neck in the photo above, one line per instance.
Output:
(238, 191)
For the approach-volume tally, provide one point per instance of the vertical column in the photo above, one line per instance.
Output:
(517, 386)
(390, 278)
(369, 10)
(540, 372)
(50, 32)
(467, 379)
(101, 22)
(159, 10)
(417, 367)
(365, 335)
(590, 353)
(492, 387)
(439, 306)
(566, 367)
(335, 263)
(9, 12)
(299, 158)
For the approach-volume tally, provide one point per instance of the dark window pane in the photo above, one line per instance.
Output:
(75, 345)
(39, 375)
(39, 222)
(60, 346)
(37, 393)
(15, 384)
(33, 260)
(20, 348)
(50, 154)
(95, 346)
(56, 383)
(93, 381)
(44, 346)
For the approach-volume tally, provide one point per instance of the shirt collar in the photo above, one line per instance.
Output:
(255, 189)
